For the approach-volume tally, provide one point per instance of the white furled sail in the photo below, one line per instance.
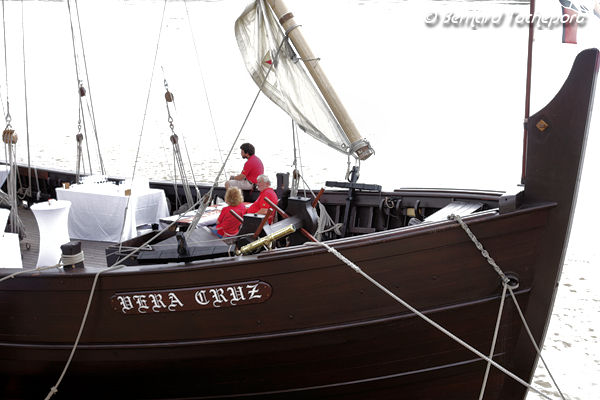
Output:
(260, 38)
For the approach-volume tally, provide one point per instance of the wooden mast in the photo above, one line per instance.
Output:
(528, 86)
(286, 19)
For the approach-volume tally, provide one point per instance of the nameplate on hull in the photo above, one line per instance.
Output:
(189, 299)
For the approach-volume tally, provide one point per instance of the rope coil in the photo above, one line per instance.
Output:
(72, 259)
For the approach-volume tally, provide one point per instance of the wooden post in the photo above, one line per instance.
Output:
(71, 249)
(528, 86)
(236, 216)
(262, 223)
(286, 19)
(316, 200)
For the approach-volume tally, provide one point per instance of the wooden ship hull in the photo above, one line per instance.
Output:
(297, 322)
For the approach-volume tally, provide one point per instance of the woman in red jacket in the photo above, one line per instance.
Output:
(227, 224)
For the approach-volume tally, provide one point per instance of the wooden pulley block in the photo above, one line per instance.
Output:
(174, 138)
(9, 136)
(79, 137)
(169, 96)
(81, 91)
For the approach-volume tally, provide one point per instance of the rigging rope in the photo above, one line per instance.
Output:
(208, 196)
(169, 98)
(178, 160)
(89, 88)
(162, 20)
(212, 120)
(28, 190)
(324, 223)
(295, 173)
(9, 137)
(5, 53)
(79, 83)
(79, 138)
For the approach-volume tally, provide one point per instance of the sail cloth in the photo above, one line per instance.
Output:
(260, 36)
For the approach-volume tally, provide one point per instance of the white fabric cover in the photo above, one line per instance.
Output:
(209, 217)
(10, 251)
(100, 211)
(4, 214)
(4, 170)
(460, 208)
(52, 218)
(288, 84)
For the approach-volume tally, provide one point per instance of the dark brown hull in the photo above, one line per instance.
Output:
(319, 306)
(324, 331)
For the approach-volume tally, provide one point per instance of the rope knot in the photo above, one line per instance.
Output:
(52, 392)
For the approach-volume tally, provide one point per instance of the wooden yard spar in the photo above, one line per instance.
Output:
(360, 146)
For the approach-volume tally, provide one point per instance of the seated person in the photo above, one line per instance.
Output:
(260, 206)
(227, 224)
(252, 169)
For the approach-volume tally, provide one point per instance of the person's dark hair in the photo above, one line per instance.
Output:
(248, 148)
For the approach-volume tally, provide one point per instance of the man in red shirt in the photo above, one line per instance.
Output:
(260, 206)
(252, 169)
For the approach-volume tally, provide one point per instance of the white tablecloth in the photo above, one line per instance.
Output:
(98, 210)
(210, 216)
(4, 170)
(9, 243)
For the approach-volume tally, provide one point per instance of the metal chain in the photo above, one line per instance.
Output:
(479, 246)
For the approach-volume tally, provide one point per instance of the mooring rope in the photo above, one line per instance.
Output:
(73, 259)
(54, 388)
(506, 282)
(65, 261)
(493, 345)
(119, 264)
(539, 352)
(357, 269)
(28, 271)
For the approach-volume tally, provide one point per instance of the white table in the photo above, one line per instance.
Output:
(4, 171)
(103, 212)
(9, 244)
(51, 217)
(209, 217)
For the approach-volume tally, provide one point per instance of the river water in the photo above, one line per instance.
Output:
(437, 87)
